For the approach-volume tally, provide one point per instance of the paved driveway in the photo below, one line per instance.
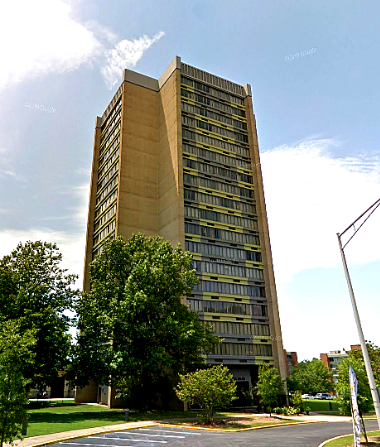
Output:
(308, 435)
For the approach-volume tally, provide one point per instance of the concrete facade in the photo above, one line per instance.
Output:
(179, 157)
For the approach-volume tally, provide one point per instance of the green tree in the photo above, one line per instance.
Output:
(35, 291)
(311, 377)
(211, 389)
(343, 386)
(16, 353)
(269, 386)
(374, 355)
(135, 332)
(297, 401)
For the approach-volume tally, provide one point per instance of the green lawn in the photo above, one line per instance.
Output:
(347, 441)
(322, 406)
(59, 417)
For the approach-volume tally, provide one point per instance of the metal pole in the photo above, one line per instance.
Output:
(367, 361)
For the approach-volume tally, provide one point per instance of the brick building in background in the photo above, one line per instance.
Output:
(334, 358)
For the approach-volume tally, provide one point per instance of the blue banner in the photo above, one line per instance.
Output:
(355, 407)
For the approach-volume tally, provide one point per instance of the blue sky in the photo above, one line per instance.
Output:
(314, 71)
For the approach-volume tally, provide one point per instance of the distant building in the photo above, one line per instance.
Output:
(291, 361)
(334, 358)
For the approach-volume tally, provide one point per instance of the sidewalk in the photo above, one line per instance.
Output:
(316, 417)
(58, 437)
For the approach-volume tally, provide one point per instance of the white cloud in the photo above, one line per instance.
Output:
(72, 246)
(311, 196)
(101, 31)
(81, 195)
(41, 37)
(77, 214)
(125, 54)
(6, 166)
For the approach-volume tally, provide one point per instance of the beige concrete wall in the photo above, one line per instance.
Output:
(138, 176)
(91, 207)
(270, 285)
(170, 177)
(87, 394)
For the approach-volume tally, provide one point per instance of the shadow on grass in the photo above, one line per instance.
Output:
(70, 418)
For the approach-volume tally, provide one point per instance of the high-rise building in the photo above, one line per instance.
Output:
(179, 157)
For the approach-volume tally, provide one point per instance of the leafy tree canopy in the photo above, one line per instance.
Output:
(269, 386)
(355, 359)
(374, 355)
(134, 330)
(16, 353)
(209, 388)
(35, 291)
(311, 377)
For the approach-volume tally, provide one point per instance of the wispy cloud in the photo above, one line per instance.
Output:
(125, 54)
(102, 32)
(45, 39)
(311, 196)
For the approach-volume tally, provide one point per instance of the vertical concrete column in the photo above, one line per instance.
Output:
(170, 189)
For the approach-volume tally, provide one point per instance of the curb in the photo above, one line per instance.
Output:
(233, 430)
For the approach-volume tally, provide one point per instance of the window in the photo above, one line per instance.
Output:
(224, 235)
(230, 219)
(216, 156)
(223, 107)
(227, 327)
(243, 349)
(105, 232)
(107, 188)
(223, 252)
(216, 142)
(219, 201)
(230, 289)
(211, 127)
(193, 180)
(223, 307)
(225, 119)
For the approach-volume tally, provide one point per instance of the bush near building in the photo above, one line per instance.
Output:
(211, 389)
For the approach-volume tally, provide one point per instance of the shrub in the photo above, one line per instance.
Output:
(209, 388)
(293, 410)
(297, 401)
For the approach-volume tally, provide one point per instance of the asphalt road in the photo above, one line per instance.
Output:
(307, 435)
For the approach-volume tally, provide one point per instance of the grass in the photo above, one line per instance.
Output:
(347, 441)
(54, 417)
(59, 417)
(322, 406)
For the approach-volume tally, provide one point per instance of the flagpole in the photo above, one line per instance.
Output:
(367, 361)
